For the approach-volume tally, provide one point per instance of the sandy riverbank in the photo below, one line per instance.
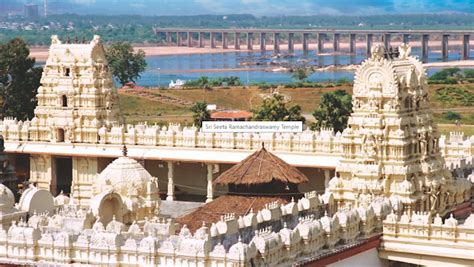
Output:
(41, 53)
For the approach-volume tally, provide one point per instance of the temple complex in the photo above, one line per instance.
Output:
(105, 193)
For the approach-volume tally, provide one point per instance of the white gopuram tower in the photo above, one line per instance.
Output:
(390, 147)
(77, 94)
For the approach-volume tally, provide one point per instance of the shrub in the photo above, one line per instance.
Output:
(452, 115)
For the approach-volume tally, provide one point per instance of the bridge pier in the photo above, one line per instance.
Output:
(305, 43)
(224, 40)
(291, 47)
(335, 43)
(321, 42)
(465, 46)
(406, 38)
(386, 40)
(445, 46)
(263, 45)
(190, 39)
(352, 43)
(249, 41)
(168, 39)
(178, 38)
(368, 47)
(276, 42)
(213, 39)
(424, 45)
(201, 39)
(237, 40)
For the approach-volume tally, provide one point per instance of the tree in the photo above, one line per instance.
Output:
(274, 108)
(334, 110)
(301, 74)
(201, 113)
(19, 80)
(452, 115)
(125, 64)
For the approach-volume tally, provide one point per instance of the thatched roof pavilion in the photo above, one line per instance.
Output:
(262, 172)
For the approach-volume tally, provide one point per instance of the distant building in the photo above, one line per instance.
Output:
(30, 11)
(231, 115)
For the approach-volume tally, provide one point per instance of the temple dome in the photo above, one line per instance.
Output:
(125, 176)
(7, 199)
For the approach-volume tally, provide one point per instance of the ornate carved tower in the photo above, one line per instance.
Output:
(77, 94)
(390, 147)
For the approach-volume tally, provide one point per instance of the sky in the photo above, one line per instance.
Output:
(255, 7)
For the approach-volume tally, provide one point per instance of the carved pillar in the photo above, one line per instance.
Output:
(327, 177)
(41, 171)
(444, 46)
(170, 195)
(352, 43)
(224, 40)
(291, 47)
(249, 41)
(84, 173)
(210, 188)
(263, 45)
(424, 45)
(335, 43)
(465, 46)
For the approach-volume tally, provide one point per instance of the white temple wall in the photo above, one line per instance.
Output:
(41, 170)
(366, 258)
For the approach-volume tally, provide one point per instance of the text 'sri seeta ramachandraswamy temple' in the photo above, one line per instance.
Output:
(388, 190)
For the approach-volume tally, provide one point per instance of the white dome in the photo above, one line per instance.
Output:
(125, 176)
(7, 199)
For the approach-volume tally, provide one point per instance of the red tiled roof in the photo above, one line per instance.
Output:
(231, 114)
(212, 211)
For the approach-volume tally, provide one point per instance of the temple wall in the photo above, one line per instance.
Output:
(41, 170)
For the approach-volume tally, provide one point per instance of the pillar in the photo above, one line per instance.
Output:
(320, 42)
(178, 38)
(305, 42)
(84, 172)
(291, 47)
(386, 40)
(276, 42)
(237, 40)
(444, 46)
(201, 39)
(210, 188)
(352, 43)
(424, 45)
(263, 45)
(170, 195)
(406, 38)
(190, 39)
(168, 38)
(465, 46)
(249, 41)
(327, 177)
(369, 44)
(213, 39)
(335, 41)
(224, 40)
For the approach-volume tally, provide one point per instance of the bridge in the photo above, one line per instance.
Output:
(197, 38)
